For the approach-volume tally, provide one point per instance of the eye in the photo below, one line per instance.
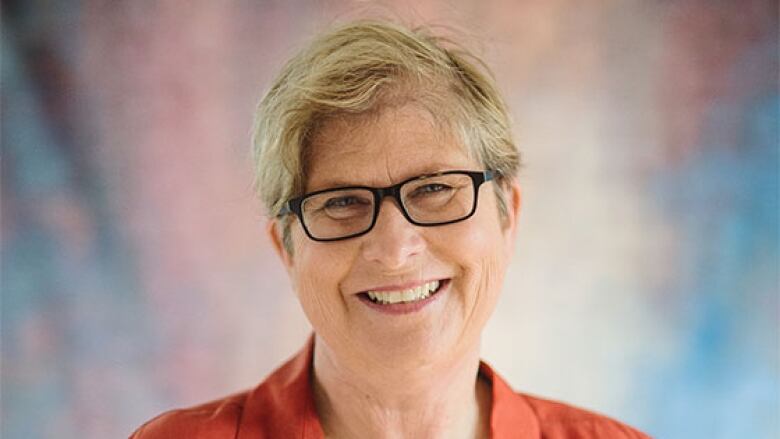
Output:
(345, 201)
(431, 188)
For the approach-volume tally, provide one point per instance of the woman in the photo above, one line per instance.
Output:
(385, 158)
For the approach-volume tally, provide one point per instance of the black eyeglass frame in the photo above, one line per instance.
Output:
(294, 205)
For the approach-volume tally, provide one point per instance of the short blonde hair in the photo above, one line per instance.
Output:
(358, 68)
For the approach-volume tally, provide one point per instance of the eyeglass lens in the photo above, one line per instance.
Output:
(427, 200)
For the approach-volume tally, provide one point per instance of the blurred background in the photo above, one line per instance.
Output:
(136, 276)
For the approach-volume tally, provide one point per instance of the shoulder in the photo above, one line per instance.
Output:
(559, 420)
(280, 406)
(215, 419)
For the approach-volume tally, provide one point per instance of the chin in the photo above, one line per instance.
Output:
(412, 348)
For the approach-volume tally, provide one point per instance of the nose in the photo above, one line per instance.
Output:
(394, 241)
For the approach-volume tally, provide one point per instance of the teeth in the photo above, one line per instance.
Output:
(410, 295)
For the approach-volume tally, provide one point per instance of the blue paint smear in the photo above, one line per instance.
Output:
(724, 203)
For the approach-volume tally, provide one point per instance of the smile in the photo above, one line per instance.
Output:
(404, 296)
(404, 301)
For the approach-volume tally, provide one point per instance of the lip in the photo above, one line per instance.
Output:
(403, 286)
(405, 308)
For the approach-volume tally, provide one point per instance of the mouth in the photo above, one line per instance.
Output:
(403, 301)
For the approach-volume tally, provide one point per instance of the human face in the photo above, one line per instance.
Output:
(467, 259)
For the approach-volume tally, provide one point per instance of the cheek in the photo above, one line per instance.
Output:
(478, 248)
(316, 275)
(484, 266)
(480, 239)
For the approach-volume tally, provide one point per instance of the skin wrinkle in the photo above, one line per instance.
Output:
(353, 124)
(386, 417)
(445, 111)
(362, 356)
(485, 279)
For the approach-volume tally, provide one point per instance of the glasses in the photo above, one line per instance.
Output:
(427, 200)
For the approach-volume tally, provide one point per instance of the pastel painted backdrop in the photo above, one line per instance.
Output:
(136, 276)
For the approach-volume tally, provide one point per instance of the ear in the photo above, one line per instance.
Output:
(275, 232)
(514, 200)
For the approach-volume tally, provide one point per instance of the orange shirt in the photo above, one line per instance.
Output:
(282, 406)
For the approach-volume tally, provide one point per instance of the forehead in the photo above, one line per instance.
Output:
(382, 148)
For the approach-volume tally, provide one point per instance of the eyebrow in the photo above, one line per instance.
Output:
(427, 170)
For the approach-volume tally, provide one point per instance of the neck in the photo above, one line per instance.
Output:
(386, 402)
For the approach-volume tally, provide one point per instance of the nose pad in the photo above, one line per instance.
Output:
(394, 240)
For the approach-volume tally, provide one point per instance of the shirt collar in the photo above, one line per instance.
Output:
(510, 414)
(283, 404)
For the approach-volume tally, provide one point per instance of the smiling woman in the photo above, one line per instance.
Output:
(385, 160)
